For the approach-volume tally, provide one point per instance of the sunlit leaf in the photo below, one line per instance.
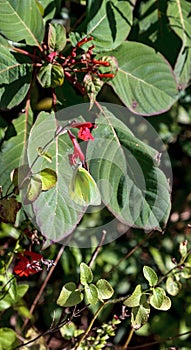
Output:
(172, 286)
(105, 290)
(8, 338)
(48, 178)
(69, 295)
(150, 275)
(135, 297)
(86, 275)
(91, 294)
(159, 300)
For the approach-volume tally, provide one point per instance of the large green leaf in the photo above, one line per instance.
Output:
(144, 81)
(12, 150)
(126, 170)
(15, 77)
(109, 22)
(179, 17)
(55, 213)
(21, 20)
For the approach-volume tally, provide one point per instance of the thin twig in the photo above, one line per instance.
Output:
(97, 249)
(124, 347)
(114, 301)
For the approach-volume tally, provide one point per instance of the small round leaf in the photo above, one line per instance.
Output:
(91, 294)
(86, 275)
(135, 297)
(69, 296)
(150, 276)
(105, 290)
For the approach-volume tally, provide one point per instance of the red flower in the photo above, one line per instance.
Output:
(77, 150)
(29, 264)
(84, 132)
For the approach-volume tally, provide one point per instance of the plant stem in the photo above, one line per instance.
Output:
(124, 347)
(97, 249)
(90, 325)
(114, 301)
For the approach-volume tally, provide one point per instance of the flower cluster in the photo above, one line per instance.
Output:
(30, 263)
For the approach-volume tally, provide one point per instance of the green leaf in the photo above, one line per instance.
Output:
(55, 213)
(159, 300)
(26, 21)
(135, 297)
(56, 37)
(48, 178)
(109, 22)
(172, 286)
(34, 188)
(86, 275)
(150, 275)
(51, 75)
(68, 330)
(178, 13)
(69, 295)
(8, 338)
(91, 294)
(15, 77)
(140, 314)
(12, 294)
(126, 172)
(21, 291)
(183, 249)
(144, 82)
(12, 150)
(105, 290)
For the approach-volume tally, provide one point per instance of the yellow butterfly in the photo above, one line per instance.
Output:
(83, 189)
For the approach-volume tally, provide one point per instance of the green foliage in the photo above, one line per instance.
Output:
(71, 295)
(65, 175)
